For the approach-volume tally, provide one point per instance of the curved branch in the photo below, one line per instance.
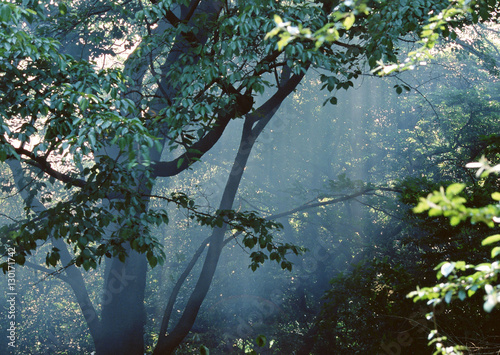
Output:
(47, 271)
(198, 149)
(42, 164)
(178, 285)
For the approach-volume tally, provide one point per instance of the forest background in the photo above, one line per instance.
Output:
(159, 157)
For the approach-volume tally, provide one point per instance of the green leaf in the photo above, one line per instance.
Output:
(349, 21)
(153, 261)
(434, 212)
(84, 103)
(204, 350)
(447, 297)
(454, 189)
(491, 239)
(63, 9)
(5, 13)
(455, 220)
(422, 206)
(92, 140)
(462, 295)
(496, 196)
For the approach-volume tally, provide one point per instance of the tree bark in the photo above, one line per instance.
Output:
(123, 314)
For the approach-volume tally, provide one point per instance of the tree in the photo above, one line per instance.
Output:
(86, 146)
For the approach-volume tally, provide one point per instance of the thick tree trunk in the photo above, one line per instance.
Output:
(121, 327)
(123, 314)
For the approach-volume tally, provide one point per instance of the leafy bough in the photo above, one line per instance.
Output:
(460, 280)
(348, 15)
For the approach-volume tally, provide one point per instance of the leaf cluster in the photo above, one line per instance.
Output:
(257, 231)
(462, 280)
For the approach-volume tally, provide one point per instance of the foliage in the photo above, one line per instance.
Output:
(442, 21)
(258, 232)
(89, 152)
(462, 280)
(56, 115)
(373, 293)
(452, 122)
(71, 111)
(62, 114)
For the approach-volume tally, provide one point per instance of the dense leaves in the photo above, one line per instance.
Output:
(484, 276)
(57, 114)
(102, 100)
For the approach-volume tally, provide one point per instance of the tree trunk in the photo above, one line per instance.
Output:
(253, 126)
(167, 344)
(123, 313)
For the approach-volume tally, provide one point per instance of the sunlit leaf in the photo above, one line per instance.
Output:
(490, 303)
(349, 21)
(454, 189)
(485, 267)
(455, 220)
(447, 268)
(491, 239)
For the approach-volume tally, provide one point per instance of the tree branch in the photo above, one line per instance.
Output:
(49, 272)
(198, 149)
(42, 164)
